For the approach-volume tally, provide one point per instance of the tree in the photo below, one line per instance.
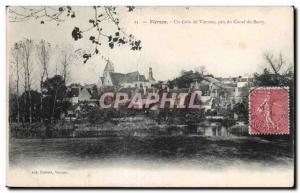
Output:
(185, 79)
(35, 104)
(26, 47)
(277, 72)
(15, 55)
(43, 52)
(104, 17)
(67, 57)
(241, 109)
(275, 64)
(55, 90)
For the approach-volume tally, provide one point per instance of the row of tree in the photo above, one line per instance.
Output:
(28, 57)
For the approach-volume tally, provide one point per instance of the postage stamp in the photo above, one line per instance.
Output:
(269, 110)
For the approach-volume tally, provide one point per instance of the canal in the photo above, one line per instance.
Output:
(204, 151)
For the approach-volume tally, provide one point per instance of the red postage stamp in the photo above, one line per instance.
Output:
(269, 110)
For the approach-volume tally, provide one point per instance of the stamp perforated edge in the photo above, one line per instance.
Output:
(269, 87)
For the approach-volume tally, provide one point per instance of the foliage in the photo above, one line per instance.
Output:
(241, 109)
(269, 79)
(54, 86)
(186, 78)
(98, 116)
(24, 107)
(103, 16)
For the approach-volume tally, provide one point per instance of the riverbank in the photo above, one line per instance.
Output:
(122, 127)
(132, 126)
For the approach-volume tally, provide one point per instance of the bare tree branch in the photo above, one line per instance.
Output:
(277, 65)
(103, 15)
(26, 47)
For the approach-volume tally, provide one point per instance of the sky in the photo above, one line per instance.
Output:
(228, 41)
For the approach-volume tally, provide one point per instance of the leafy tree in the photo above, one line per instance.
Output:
(103, 17)
(186, 78)
(31, 113)
(55, 90)
(241, 109)
(14, 108)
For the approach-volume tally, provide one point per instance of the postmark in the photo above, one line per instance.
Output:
(269, 110)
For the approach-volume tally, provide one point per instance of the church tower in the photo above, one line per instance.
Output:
(108, 68)
(150, 77)
(105, 80)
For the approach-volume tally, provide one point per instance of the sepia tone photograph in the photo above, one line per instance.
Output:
(165, 96)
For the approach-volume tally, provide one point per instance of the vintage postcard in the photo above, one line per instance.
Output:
(128, 96)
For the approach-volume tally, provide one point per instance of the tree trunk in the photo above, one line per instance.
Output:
(25, 99)
(41, 106)
(29, 97)
(54, 104)
(18, 103)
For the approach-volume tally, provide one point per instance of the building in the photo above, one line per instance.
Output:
(222, 93)
(110, 78)
(77, 93)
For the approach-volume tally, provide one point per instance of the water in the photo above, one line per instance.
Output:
(208, 152)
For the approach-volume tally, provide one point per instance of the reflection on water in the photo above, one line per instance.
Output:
(195, 150)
